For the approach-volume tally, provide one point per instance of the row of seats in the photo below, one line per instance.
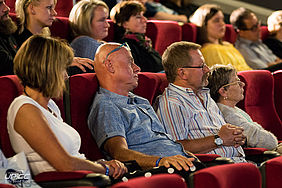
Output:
(163, 33)
(82, 89)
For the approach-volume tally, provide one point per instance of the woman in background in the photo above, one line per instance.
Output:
(128, 15)
(89, 23)
(34, 121)
(210, 20)
(35, 17)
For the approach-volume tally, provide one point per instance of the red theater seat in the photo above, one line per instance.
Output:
(111, 32)
(64, 7)
(243, 175)
(271, 172)
(278, 92)
(259, 102)
(10, 88)
(61, 28)
(163, 33)
(189, 32)
(159, 180)
(264, 32)
(230, 34)
(83, 88)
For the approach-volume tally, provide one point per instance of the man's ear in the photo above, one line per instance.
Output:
(109, 66)
(181, 74)
(223, 92)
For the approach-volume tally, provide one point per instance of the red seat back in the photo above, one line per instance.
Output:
(278, 92)
(264, 32)
(230, 34)
(159, 180)
(64, 7)
(258, 102)
(11, 88)
(150, 85)
(163, 33)
(11, 5)
(243, 175)
(61, 28)
(83, 88)
(189, 32)
(271, 172)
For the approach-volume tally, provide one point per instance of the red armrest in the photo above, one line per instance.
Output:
(55, 175)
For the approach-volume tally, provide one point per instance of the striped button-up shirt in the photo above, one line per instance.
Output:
(185, 117)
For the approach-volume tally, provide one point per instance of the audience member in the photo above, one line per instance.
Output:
(128, 15)
(125, 125)
(256, 54)
(157, 11)
(89, 23)
(34, 122)
(35, 17)
(184, 7)
(8, 45)
(187, 111)
(274, 40)
(210, 20)
(227, 90)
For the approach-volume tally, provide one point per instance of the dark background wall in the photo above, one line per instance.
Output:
(271, 4)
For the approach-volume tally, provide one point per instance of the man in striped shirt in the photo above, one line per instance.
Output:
(187, 111)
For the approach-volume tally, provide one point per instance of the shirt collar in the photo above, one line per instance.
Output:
(189, 90)
(130, 99)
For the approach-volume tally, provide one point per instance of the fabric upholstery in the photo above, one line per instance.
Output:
(189, 32)
(160, 180)
(111, 32)
(230, 34)
(258, 101)
(47, 176)
(64, 7)
(163, 33)
(264, 32)
(10, 88)
(278, 92)
(11, 5)
(83, 88)
(243, 175)
(61, 28)
(271, 172)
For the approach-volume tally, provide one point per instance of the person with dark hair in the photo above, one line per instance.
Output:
(128, 15)
(34, 121)
(187, 111)
(8, 44)
(210, 20)
(274, 40)
(255, 52)
(227, 90)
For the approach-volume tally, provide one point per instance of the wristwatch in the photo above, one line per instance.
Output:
(217, 140)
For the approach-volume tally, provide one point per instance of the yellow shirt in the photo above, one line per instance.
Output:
(224, 54)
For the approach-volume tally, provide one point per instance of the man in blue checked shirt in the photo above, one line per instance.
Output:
(125, 125)
(187, 111)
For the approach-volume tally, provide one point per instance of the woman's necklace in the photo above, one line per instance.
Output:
(51, 111)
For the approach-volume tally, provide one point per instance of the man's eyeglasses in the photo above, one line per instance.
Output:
(197, 67)
(253, 28)
(116, 49)
(239, 82)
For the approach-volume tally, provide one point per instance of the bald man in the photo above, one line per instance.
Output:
(125, 125)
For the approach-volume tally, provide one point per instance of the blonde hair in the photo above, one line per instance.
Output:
(274, 21)
(40, 64)
(176, 56)
(81, 16)
(22, 14)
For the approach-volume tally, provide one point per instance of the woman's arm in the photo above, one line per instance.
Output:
(32, 125)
